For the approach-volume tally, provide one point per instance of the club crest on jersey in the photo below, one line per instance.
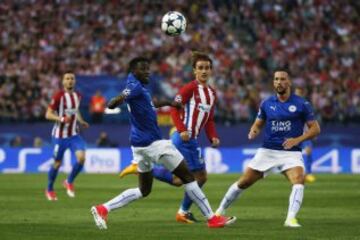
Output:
(126, 92)
(178, 99)
(292, 108)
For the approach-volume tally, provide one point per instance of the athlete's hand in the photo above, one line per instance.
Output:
(84, 124)
(215, 142)
(65, 119)
(252, 134)
(176, 104)
(290, 143)
(185, 136)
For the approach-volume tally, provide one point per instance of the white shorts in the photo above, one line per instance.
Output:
(268, 160)
(161, 152)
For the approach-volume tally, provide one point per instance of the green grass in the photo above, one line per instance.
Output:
(331, 210)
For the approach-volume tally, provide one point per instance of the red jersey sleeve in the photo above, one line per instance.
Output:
(183, 96)
(55, 101)
(210, 124)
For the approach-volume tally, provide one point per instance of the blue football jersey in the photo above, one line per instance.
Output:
(143, 120)
(284, 120)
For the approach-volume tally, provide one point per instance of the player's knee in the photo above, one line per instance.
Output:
(187, 178)
(177, 182)
(81, 160)
(57, 164)
(298, 179)
(145, 191)
(201, 180)
(245, 183)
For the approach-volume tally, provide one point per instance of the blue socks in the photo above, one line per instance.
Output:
(54, 172)
(162, 174)
(74, 172)
(308, 163)
(51, 178)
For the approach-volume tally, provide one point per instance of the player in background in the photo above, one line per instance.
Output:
(64, 111)
(284, 116)
(148, 148)
(307, 146)
(198, 99)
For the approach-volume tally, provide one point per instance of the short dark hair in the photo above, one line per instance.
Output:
(282, 70)
(200, 56)
(133, 62)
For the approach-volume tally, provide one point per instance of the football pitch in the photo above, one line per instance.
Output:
(331, 210)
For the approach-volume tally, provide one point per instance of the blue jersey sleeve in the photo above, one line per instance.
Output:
(308, 111)
(132, 90)
(261, 113)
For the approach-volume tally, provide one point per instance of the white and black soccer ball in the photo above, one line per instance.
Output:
(173, 23)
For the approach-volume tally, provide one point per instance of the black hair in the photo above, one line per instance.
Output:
(284, 69)
(135, 61)
(200, 56)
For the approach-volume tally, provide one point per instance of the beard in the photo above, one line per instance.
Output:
(280, 90)
(69, 88)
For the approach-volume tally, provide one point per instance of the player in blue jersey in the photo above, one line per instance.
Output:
(307, 147)
(148, 148)
(284, 116)
(199, 99)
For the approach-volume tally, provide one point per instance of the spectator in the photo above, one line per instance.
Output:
(38, 142)
(104, 141)
(16, 142)
(318, 41)
(97, 107)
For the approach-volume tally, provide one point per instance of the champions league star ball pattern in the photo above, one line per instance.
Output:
(173, 23)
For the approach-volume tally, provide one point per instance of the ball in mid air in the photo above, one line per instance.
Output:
(173, 23)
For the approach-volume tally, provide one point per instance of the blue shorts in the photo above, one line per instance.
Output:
(191, 152)
(307, 143)
(74, 143)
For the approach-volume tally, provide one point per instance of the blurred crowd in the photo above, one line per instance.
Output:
(318, 41)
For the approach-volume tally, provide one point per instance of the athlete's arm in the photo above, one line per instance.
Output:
(81, 120)
(211, 130)
(313, 131)
(182, 97)
(256, 128)
(162, 103)
(52, 116)
(116, 101)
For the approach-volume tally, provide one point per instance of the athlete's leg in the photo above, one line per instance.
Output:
(78, 166)
(296, 177)
(100, 212)
(52, 174)
(201, 178)
(77, 145)
(129, 195)
(193, 190)
(249, 178)
(60, 145)
(309, 177)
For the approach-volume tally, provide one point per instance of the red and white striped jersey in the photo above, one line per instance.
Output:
(198, 111)
(65, 104)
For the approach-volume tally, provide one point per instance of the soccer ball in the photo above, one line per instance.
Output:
(173, 23)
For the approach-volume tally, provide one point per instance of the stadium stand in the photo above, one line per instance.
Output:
(318, 41)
